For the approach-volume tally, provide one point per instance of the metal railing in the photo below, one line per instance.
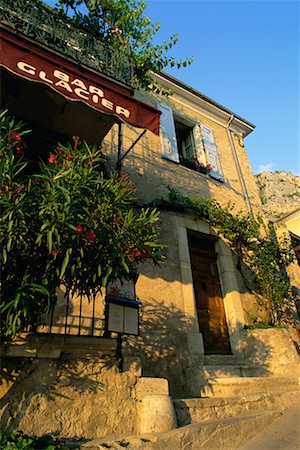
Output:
(37, 22)
(68, 317)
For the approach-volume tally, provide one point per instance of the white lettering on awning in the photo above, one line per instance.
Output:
(90, 93)
(26, 68)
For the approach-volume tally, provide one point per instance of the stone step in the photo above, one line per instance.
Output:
(226, 434)
(46, 345)
(223, 360)
(242, 386)
(196, 410)
(213, 371)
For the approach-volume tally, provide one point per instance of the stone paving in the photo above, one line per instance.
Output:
(283, 434)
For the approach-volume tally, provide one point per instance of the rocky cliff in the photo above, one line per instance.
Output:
(279, 192)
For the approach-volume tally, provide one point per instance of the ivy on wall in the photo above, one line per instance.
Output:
(265, 256)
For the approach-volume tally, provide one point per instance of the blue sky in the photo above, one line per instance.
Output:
(246, 57)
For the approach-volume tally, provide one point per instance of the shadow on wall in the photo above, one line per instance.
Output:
(77, 316)
(85, 395)
(152, 175)
(147, 166)
(76, 396)
(166, 351)
(162, 344)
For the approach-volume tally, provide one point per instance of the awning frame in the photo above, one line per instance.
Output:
(120, 146)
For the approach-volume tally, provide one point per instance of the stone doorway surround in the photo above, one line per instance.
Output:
(229, 284)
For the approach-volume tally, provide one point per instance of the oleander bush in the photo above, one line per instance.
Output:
(70, 222)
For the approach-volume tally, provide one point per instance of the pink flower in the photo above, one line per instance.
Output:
(90, 236)
(19, 148)
(52, 158)
(79, 229)
(69, 156)
(115, 292)
(145, 253)
(16, 137)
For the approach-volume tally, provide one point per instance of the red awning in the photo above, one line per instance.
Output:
(75, 83)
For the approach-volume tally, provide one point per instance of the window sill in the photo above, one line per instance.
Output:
(189, 169)
(206, 175)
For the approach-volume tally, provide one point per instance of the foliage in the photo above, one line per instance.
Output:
(124, 24)
(70, 224)
(17, 440)
(265, 256)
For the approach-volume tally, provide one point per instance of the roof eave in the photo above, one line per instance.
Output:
(223, 114)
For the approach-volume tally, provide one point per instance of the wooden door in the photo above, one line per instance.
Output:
(209, 301)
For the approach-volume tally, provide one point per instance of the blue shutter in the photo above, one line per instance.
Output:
(199, 150)
(169, 141)
(211, 153)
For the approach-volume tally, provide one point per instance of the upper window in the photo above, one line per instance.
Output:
(185, 143)
(188, 143)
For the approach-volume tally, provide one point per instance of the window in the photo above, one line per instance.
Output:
(184, 136)
(188, 143)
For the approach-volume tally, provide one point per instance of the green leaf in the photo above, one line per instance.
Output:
(4, 255)
(64, 265)
(125, 265)
(38, 288)
(49, 240)
(8, 246)
(105, 278)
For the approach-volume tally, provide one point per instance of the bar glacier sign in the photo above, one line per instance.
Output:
(63, 81)
(32, 62)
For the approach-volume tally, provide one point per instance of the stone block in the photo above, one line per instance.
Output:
(151, 386)
(48, 350)
(20, 351)
(24, 345)
(184, 253)
(157, 414)
(195, 343)
(204, 227)
(133, 365)
(272, 349)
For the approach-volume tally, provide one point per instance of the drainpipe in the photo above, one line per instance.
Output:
(238, 166)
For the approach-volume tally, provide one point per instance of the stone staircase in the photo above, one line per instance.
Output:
(219, 366)
(242, 397)
(234, 407)
(245, 386)
(236, 398)
(236, 402)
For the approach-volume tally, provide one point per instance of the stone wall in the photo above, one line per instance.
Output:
(162, 344)
(80, 394)
(170, 344)
(152, 174)
(271, 351)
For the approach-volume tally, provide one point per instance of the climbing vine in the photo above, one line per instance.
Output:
(264, 255)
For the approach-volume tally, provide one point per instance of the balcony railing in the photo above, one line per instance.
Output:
(46, 27)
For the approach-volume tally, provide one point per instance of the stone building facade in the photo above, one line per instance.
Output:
(196, 303)
(172, 343)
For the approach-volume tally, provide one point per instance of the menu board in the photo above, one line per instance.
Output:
(131, 322)
(115, 318)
